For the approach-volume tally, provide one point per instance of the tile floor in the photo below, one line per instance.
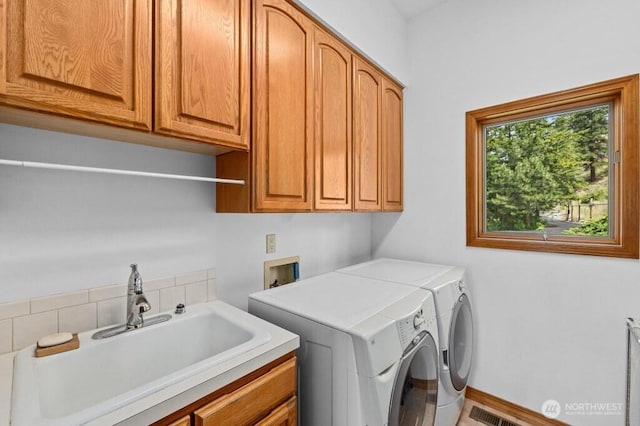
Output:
(466, 410)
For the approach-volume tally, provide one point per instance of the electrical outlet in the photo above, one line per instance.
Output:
(271, 243)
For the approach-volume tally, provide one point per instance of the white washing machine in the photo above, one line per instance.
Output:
(368, 350)
(455, 322)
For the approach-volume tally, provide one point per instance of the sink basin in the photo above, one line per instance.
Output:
(103, 375)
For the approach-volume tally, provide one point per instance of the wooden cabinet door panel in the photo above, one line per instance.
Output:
(184, 421)
(202, 70)
(284, 415)
(253, 401)
(283, 108)
(392, 147)
(366, 136)
(332, 123)
(87, 59)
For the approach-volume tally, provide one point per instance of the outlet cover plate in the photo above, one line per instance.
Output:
(271, 243)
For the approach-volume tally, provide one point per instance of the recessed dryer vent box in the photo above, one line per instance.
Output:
(281, 271)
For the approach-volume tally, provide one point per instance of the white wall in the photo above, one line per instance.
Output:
(62, 231)
(548, 326)
(373, 26)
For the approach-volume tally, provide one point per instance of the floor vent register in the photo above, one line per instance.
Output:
(483, 416)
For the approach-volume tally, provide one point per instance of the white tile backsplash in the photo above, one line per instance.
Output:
(109, 292)
(192, 277)
(58, 301)
(28, 329)
(170, 297)
(195, 293)
(14, 309)
(78, 318)
(6, 335)
(23, 322)
(112, 311)
(159, 283)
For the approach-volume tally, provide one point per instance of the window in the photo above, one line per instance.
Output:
(557, 173)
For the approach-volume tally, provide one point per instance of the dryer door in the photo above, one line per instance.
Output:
(415, 392)
(460, 343)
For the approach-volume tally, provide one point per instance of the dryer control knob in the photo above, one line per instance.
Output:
(418, 320)
(461, 285)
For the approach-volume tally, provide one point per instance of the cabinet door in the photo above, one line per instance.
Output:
(284, 415)
(86, 59)
(391, 146)
(184, 421)
(332, 71)
(283, 108)
(253, 401)
(367, 90)
(202, 70)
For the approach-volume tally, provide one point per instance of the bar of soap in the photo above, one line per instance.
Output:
(54, 339)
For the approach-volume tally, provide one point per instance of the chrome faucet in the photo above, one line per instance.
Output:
(137, 303)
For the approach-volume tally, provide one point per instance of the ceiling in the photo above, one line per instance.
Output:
(410, 8)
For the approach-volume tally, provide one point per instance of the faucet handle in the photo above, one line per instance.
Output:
(142, 304)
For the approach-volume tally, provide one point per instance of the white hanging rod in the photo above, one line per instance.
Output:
(116, 171)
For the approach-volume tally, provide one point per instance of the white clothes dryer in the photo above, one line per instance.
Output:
(455, 322)
(368, 350)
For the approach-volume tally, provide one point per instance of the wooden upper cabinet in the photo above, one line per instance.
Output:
(86, 59)
(392, 165)
(333, 147)
(367, 138)
(202, 70)
(282, 108)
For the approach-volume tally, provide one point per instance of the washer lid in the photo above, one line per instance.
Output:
(338, 300)
(398, 271)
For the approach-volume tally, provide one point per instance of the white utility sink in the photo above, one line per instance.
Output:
(101, 376)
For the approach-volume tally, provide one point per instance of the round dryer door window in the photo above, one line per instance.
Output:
(415, 392)
(460, 343)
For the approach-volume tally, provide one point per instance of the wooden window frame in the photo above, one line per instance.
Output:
(622, 93)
